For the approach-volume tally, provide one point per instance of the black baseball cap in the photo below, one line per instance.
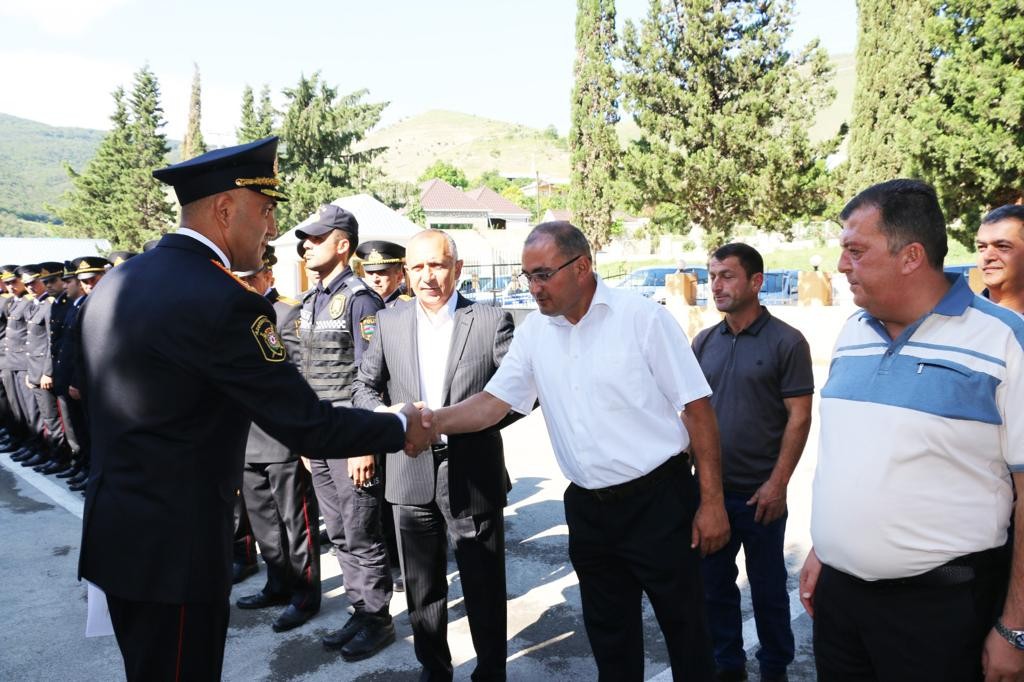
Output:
(326, 218)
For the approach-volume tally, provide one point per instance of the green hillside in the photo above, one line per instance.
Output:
(32, 173)
(472, 143)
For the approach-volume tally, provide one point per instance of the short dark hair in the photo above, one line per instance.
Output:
(746, 254)
(569, 239)
(910, 213)
(1008, 212)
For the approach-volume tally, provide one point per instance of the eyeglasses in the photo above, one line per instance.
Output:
(527, 278)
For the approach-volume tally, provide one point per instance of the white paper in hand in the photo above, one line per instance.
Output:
(97, 622)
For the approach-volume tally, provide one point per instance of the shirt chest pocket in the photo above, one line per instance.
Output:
(955, 391)
(614, 381)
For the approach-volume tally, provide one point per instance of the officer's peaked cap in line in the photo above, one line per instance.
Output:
(8, 273)
(69, 269)
(252, 166)
(326, 218)
(50, 270)
(380, 255)
(118, 257)
(90, 266)
(28, 273)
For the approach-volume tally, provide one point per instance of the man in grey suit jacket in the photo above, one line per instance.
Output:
(439, 349)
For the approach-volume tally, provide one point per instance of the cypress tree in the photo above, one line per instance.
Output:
(256, 123)
(145, 211)
(593, 143)
(967, 136)
(194, 145)
(317, 159)
(723, 110)
(88, 208)
(892, 75)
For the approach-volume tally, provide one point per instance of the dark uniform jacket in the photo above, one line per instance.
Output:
(178, 355)
(261, 448)
(481, 335)
(58, 317)
(67, 350)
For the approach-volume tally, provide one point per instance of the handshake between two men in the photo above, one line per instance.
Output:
(419, 431)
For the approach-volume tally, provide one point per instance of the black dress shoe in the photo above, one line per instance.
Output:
(240, 572)
(261, 600)
(43, 465)
(377, 633)
(340, 638)
(81, 476)
(79, 487)
(731, 675)
(70, 472)
(292, 617)
(35, 461)
(56, 467)
(21, 454)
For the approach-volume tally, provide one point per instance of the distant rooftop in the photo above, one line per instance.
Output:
(495, 203)
(438, 195)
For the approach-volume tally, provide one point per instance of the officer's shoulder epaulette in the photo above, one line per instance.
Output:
(232, 275)
(288, 300)
(404, 297)
(7, 295)
(30, 297)
(355, 284)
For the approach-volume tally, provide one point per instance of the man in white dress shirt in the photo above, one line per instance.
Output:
(614, 373)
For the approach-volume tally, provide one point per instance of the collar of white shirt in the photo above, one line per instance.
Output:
(602, 297)
(203, 239)
(442, 316)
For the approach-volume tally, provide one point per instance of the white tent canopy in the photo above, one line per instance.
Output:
(31, 250)
(376, 221)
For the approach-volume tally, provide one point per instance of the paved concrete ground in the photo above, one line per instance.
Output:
(44, 607)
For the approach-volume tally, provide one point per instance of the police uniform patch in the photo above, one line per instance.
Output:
(337, 306)
(268, 339)
(368, 327)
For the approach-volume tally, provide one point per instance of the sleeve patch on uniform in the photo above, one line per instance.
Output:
(337, 306)
(368, 327)
(268, 339)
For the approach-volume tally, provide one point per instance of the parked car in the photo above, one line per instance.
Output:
(650, 282)
(962, 270)
(781, 287)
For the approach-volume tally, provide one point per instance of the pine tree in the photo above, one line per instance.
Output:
(256, 124)
(723, 110)
(194, 145)
(317, 159)
(88, 208)
(892, 66)
(967, 135)
(593, 142)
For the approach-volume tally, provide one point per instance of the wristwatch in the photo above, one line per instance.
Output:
(1014, 637)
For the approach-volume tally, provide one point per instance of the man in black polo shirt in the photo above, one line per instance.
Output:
(760, 371)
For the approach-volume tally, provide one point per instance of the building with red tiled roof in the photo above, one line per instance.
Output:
(501, 212)
(446, 207)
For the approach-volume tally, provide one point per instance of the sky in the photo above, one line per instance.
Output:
(511, 60)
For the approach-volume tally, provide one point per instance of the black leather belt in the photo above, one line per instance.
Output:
(959, 571)
(638, 485)
(440, 451)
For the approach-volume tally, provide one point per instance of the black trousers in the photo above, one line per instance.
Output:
(283, 513)
(353, 519)
(64, 409)
(625, 547)
(15, 420)
(170, 642)
(479, 543)
(30, 415)
(892, 633)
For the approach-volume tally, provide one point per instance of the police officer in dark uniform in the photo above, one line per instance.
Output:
(338, 318)
(278, 492)
(118, 257)
(61, 349)
(40, 369)
(169, 391)
(89, 270)
(384, 262)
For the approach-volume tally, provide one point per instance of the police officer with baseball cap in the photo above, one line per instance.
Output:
(337, 321)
